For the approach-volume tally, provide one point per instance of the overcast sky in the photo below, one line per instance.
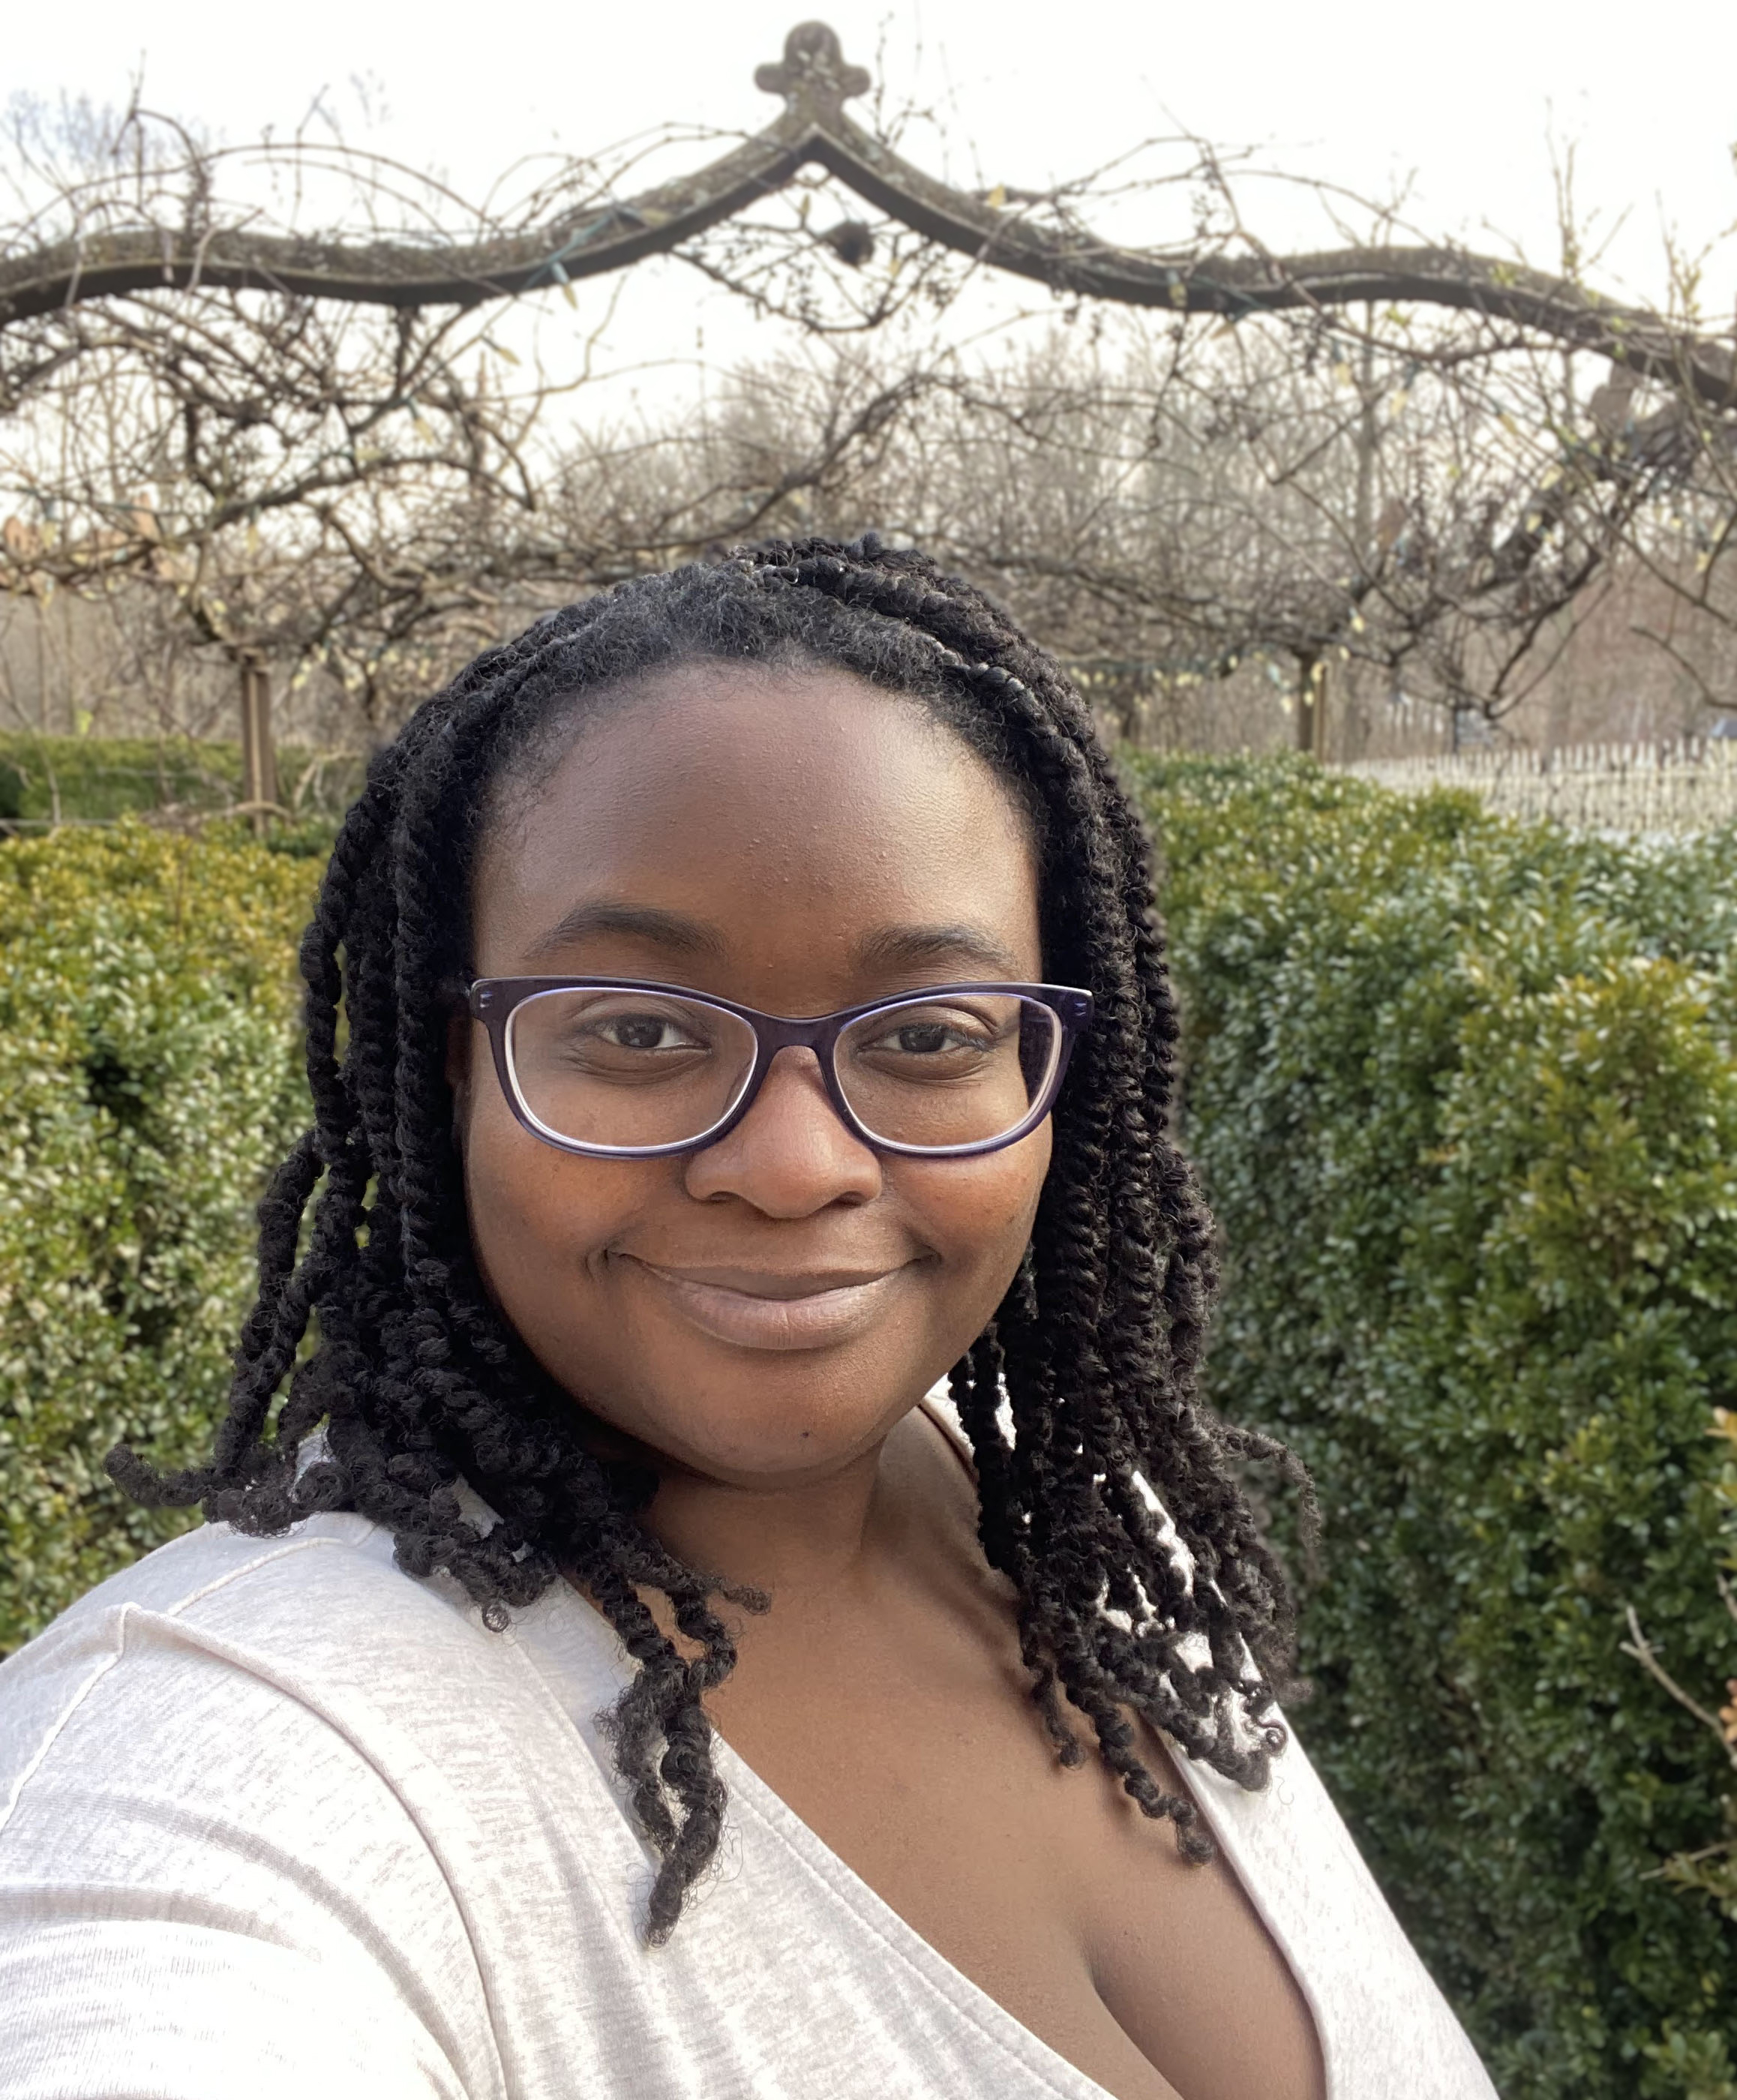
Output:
(1362, 92)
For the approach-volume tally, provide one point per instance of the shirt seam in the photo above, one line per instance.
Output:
(116, 1619)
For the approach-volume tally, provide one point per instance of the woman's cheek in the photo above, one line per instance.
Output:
(978, 1213)
(539, 1218)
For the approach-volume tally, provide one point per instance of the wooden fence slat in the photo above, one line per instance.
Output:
(1689, 785)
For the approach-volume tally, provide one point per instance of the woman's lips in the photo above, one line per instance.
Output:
(769, 1311)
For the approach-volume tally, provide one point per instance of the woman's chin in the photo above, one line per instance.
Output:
(795, 1421)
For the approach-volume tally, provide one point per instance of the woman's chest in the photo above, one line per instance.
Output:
(1046, 1887)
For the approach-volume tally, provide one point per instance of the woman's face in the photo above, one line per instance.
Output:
(765, 1309)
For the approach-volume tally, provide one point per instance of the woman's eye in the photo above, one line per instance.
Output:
(926, 1035)
(645, 1031)
(929, 1038)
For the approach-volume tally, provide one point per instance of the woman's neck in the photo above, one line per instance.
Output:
(807, 1535)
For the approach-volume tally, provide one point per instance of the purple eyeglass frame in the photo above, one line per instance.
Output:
(491, 1001)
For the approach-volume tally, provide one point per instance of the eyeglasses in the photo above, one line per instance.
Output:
(617, 1069)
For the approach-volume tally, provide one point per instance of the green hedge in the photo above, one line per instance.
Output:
(1466, 1100)
(149, 1075)
(1464, 1094)
(82, 778)
(1711, 1869)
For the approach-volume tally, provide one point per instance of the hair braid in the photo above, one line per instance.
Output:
(1107, 1494)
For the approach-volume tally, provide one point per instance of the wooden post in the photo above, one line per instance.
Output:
(1311, 707)
(258, 755)
(69, 651)
(41, 603)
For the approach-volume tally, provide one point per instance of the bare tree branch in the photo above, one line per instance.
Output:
(1642, 1649)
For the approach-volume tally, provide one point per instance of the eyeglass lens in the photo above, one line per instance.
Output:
(628, 1069)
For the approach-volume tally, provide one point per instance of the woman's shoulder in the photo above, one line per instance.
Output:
(212, 1559)
(317, 1631)
(247, 1775)
(313, 1597)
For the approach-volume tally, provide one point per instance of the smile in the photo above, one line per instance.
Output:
(771, 1311)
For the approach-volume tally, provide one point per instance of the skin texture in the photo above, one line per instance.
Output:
(799, 843)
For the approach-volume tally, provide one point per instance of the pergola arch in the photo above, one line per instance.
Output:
(815, 82)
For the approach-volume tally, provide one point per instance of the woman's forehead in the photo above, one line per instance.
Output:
(743, 798)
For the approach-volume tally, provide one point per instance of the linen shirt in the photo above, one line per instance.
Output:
(278, 1822)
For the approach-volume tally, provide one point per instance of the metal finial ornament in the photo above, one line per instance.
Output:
(812, 76)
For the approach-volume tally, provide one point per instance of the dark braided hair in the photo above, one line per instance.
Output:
(1107, 1494)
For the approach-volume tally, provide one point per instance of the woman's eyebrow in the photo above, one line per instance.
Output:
(903, 947)
(681, 936)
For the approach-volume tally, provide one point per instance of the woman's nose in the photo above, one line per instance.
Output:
(790, 1155)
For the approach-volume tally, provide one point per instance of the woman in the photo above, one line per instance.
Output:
(606, 1343)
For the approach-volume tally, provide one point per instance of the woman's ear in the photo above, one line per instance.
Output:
(458, 1068)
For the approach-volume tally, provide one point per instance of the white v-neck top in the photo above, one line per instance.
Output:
(278, 1822)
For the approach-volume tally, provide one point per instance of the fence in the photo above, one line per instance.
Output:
(1686, 785)
(49, 781)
